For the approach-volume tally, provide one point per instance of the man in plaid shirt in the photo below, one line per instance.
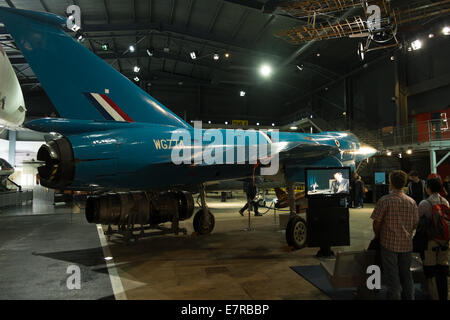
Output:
(395, 218)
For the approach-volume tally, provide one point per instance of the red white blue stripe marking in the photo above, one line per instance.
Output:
(107, 107)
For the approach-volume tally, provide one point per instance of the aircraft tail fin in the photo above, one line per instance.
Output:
(79, 83)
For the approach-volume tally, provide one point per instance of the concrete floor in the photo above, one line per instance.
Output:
(231, 263)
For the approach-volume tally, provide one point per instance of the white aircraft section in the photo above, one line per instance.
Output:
(12, 104)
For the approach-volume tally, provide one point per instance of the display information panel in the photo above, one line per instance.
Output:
(328, 182)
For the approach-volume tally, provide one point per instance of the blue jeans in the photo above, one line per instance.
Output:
(397, 274)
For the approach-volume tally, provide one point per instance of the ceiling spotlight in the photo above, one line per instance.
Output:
(416, 45)
(392, 58)
(209, 122)
(242, 93)
(265, 70)
(149, 53)
(131, 48)
(257, 123)
(226, 122)
(227, 55)
(400, 155)
(216, 56)
(431, 35)
(409, 151)
(105, 47)
(193, 55)
(311, 116)
(318, 54)
(293, 128)
(273, 124)
(136, 69)
(344, 113)
(446, 31)
(136, 79)
(389, 153)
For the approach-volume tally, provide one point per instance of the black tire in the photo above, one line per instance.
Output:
(296, 233)
(199, 225)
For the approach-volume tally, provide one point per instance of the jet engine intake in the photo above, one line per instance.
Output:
(126, 208)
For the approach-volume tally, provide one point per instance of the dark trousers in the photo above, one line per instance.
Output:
(397, 274)
(440, 274)
(254, 206)
(359, 200)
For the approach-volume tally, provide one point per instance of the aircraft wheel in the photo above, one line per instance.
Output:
(296, 232)
(199, 226)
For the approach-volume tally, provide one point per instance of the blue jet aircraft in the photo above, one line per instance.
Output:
(114, 135)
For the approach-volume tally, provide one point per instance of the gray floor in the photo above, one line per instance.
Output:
(40, 241)
(36, 251)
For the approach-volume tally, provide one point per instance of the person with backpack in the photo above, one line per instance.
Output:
(436, 211)
(416, 187)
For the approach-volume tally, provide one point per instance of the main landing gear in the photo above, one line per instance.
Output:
(296, 231)
(203, 220)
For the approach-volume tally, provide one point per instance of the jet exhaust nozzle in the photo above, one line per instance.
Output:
(59, 166)
(125, 208)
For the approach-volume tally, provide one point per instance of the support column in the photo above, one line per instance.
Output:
(401, 90)
(12, 148)
(433, 165)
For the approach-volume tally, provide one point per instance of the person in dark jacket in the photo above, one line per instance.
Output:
(359, 193)
(251, 191)
(416, 187)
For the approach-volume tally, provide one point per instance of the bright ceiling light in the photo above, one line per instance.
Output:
(300, 67)
(136, 69)
(136, 79)
(209, 122)
(257, 123)
(193, 55)
(389, 153)
(216, 56)
(293, 128)
(409, 151)
(105, 47)
(132, 48)
(265, 70)
(416, 45)
(242, 93)
(226, 122)
(149, 53)
(227, 55)
(446, 30)
(273, 124)
(431, 35)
